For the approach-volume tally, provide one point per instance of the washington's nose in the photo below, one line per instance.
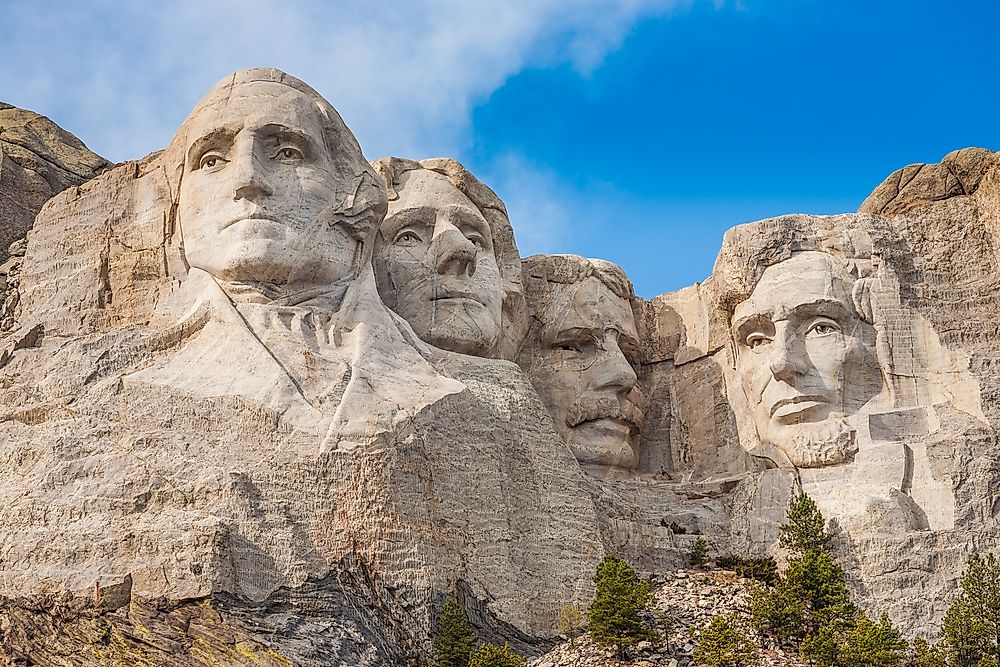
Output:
(454, 254)
(614, 371)
(787, 358)
(248, 178)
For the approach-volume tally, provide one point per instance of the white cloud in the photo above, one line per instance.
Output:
(405, 76)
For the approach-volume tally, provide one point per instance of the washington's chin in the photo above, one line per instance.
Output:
(604, 442)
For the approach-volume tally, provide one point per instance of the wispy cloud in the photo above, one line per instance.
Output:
(405, 76)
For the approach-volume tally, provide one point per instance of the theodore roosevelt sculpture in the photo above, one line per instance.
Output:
(579, 354)
(445, 258)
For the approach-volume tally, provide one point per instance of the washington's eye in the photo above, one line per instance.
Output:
(211, 161)
(823, 328)
(407, 238)
(755, 340)
(289, 154)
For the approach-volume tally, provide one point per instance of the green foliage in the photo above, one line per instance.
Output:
(760, 569)
(927, 655)
(491, 655)
(971, 629)
(570, 622)
(614, 617)
(804, 528)
(454, 637)
(699, 553)
(674, 527)
(855, 640)
(723, 644)
(808, 595)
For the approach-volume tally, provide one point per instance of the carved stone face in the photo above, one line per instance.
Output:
(580, 366)
(436, 265)
(805, 358)
(256, 192)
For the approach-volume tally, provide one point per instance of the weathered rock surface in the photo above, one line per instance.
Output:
(37, 160)
(229, 432)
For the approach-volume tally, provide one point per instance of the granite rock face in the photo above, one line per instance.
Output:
(265, 402)
(37, 160)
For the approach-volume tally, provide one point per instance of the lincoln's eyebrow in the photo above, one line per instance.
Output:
(417, 215)
(212, 139)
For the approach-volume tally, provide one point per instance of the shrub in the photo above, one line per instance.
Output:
(808, 595)
(926, 655)
(614, 617)
(804, 528)
(491, 655)
(454, 637)
(855, 640)
(761, 569)
(570, 622)
(723, 644)
(699, 553)
(971, 629)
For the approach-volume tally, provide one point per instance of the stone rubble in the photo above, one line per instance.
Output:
(685, 603)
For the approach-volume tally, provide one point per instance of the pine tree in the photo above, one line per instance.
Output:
(723, 644)
(620, 597)
(971, 629)
(491, 655)
(454, 637)
(699, 553)
(805, 527)
(570, 622)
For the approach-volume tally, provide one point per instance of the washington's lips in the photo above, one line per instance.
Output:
(795, 405)
(443, 294)
(256, 215)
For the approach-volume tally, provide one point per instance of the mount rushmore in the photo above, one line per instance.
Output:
(260, 392)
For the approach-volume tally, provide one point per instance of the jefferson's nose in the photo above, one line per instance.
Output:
(787, 357)
(454, 254)
(613, 371)
(249, 181)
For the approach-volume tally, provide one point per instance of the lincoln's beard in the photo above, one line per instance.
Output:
(826, 443)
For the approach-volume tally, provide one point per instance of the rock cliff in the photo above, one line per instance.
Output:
(265, 402)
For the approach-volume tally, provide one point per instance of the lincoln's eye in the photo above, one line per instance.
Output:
(211, 161)
(407, 238)
(823, 328)
(478, 241)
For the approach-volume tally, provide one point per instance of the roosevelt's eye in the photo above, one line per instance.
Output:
(756, 340)
(823, 328)
(289, 154)
(211, 161)
(407, 237)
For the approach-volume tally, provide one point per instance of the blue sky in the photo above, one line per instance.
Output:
(635, 131)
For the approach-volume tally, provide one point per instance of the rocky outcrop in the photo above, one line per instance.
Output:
(37, 160)
(264, 401)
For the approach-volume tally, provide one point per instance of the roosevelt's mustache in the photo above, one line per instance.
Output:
(588, 408)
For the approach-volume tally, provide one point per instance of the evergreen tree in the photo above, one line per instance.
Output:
(724, 644)
(570, 622)
(804, 528)
(454, 637)
(491, 655)
(971, 629)
(699, 553)
(619, 600)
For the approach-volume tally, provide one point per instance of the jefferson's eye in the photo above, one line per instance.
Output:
(755, 340)
(407, 238)
(823, 328)
(478, 241)
(289, 154)
(211, 161)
